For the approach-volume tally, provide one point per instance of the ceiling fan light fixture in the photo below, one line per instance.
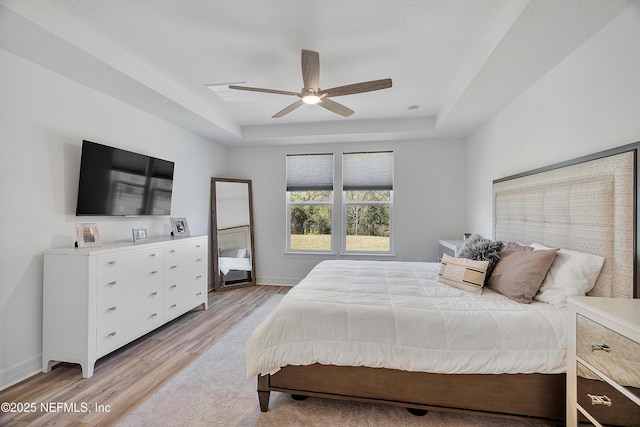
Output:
(311, 99)
(311, 93)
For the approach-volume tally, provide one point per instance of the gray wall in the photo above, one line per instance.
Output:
(43, 120)
(590, 102)
(429, 201)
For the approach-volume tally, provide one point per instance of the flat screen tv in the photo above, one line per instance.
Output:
(117, 182)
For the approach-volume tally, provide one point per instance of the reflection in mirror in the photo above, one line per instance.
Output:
(232, 233)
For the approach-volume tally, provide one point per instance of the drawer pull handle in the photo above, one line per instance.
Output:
(600, 400)
(173, 286)
(198, 294)
(198, 246)
(600, 347)
(172, 251)
(153, 294)
(154, 272)
(153, 254)
(112, 283)
(199, 259)
(112, 334)
(154, 315)
(199, 277)
(111, 263)
(173, 306)
(112, 308)
(173, 266)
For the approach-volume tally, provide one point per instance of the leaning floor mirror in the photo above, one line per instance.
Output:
(233, 261)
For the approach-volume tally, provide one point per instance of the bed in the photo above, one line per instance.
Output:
(372, 310)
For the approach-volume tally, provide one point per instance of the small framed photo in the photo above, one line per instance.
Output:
(179, 227)
(87, 235)
(139, 235)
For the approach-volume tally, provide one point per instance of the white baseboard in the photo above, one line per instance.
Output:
(20, 371)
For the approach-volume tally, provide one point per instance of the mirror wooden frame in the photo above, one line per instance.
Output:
(213, 236)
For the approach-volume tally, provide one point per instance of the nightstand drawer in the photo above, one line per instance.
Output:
(603, 402)
(614, 355)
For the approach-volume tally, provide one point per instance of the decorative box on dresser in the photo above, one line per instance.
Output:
(603, 361)
(450, 247)
(95, 300)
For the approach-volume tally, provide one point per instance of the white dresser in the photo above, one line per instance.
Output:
(603, 361)
(96, 300)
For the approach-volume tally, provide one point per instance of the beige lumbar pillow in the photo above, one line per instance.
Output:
(463, 273)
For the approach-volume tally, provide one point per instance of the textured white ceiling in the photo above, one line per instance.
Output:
(460, 61)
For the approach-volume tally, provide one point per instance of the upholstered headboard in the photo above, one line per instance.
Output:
(588, 207)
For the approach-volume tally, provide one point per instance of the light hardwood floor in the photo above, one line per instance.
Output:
(126, 377)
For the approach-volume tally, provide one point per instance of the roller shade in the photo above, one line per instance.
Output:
(310, 172)
(367, 171)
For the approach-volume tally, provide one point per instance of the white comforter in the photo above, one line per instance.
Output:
(396, 315)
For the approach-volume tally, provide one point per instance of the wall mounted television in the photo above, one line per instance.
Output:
(116, 182)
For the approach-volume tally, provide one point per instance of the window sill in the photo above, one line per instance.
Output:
(373, 254)
(309, 253)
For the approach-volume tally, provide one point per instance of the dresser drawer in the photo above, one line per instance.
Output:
(603, 402)
(184, 262)
(109, 337)
(184, 294)
(109, 262)
(183, 247)
(614, 355)
(117, 309)
(123, 279)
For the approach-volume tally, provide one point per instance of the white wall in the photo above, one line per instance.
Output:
(43, 120)
(429, 200)
(590, 102)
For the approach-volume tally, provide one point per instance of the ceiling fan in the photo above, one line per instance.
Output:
(312, 94)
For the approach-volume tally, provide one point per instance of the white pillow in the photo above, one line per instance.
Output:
(242, 253)
(572, 273)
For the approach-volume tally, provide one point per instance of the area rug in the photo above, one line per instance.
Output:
(214, 391)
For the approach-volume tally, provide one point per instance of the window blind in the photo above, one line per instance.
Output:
(310, 172)
(367, 171)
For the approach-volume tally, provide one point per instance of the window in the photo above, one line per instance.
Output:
(309, 202)
(367, 200)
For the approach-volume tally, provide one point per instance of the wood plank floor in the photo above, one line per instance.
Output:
(127, 377)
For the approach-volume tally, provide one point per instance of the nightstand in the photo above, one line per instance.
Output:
(449, 247)
(603, 361)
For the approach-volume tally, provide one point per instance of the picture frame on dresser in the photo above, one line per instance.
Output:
(179, 227)
(87, 235)
(139, 235)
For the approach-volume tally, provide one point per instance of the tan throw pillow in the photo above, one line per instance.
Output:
(519, 275)
(463, 273)
(512, 247)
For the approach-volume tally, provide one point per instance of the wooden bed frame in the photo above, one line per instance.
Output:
(539, 396)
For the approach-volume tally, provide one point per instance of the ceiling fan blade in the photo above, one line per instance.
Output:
(358, 87)
(336, 107)
(310, 69)
(288, 109)
(257, 89)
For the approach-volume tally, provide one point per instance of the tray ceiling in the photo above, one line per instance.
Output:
(454, 63)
